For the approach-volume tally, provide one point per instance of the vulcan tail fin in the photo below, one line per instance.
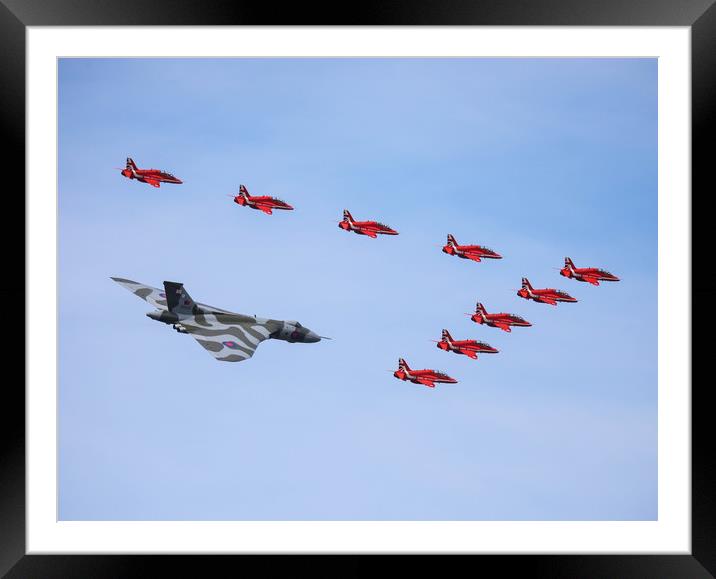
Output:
(131, 164)
(178, 300)
(347, 216)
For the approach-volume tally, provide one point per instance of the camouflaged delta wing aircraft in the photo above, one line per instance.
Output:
(227, 336)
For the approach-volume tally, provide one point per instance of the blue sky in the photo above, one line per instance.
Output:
(536, 158)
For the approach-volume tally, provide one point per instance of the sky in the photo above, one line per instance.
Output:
(537, 158)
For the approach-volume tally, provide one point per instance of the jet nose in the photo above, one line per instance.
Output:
(312, 337)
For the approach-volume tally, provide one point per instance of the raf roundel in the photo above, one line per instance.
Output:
(232, 345)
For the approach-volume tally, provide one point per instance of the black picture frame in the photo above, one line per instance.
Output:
(16, 15)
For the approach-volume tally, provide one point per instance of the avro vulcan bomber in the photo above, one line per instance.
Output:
(227, 336)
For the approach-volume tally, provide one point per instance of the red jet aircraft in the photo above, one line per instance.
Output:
(263, 203)
(473, 252)
(501, 320)
(470, 348)
(546, 296)
(425, 377)
(152, 176)
(592, 275)
(369, 228)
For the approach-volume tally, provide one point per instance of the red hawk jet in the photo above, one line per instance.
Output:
(369, 228)
(470, 348)
(152, 176)
(473, 252)
(263, 203)
(592, 275)
(546, 296)
(501, 320)
(425, 377)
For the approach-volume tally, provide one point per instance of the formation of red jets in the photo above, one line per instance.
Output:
(503, 321)
(469, 348)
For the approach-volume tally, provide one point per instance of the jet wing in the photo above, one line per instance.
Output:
(370, 233)
(472, 256)
(426, 382)
(265, 208)
(152, 182)
(503, 327)
(233, 342)
(592, 280)
(549, 301)
(151, 295)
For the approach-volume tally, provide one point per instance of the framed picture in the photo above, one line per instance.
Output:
(556, 129)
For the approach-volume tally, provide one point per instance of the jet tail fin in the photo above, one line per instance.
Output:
(131, 164)
(347, 215)
(178, 300)
(480, 309)
(568, 262)
(446, 336)
(526, 283)
(243, 190)
(451, 239)
(402, 364)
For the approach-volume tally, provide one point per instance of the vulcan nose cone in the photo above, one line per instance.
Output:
(312, 337)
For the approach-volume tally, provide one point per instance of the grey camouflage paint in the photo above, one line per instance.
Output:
(228, 336)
